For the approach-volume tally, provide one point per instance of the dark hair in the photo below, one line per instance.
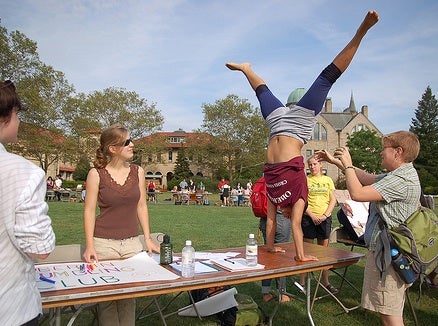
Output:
(8, 100)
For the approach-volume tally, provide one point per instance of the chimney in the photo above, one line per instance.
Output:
(364, 110)
(328, 105)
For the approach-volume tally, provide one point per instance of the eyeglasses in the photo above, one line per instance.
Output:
(127, 142)
(7, 84)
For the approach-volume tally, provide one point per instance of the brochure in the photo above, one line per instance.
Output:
(236, 264)
(200, 267)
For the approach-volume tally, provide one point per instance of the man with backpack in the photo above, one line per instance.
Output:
(393, 198)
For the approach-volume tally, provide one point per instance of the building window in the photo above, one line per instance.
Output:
(319, 132)
(359, 127)
(308, 153)
(170, 156)
(176, 140)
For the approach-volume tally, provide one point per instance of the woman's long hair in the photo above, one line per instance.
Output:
(115, 135)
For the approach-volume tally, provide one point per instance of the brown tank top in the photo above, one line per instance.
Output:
(118, 206)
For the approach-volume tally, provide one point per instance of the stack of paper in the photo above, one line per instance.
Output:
(236, 264)
(200, 267)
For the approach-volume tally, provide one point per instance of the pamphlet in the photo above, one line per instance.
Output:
(236, 264)
(357, 212)
(200, 267)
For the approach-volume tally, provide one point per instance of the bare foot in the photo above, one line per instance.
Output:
(238, 66)
(285, 298)
(276, 249)
(306, 258)
(268, 297)
(371, 18)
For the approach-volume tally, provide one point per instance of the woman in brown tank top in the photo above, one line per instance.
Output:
(119, 189)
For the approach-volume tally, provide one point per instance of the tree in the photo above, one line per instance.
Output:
(425, 126)
(44, 91)
(100, 109)
(18, 56)
(82, 168)
(45, 146)
(182, 168)
(365, 148)
(239, 137)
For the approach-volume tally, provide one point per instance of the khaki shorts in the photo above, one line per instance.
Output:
(116, 249)
(388, 299)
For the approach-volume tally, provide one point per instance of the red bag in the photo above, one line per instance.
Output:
(258, 199)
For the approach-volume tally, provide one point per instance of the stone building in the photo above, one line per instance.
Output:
(160, 166)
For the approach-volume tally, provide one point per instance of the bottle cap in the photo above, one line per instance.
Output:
(166, 238)
(394, 252)
(251, 235)
(188, 242)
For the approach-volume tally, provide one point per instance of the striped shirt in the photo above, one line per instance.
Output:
(401, 191)
(24, 228)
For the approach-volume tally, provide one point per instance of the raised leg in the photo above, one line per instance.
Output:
(343, 59)
(253, 79)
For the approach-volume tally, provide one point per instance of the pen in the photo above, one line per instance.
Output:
(228, 260)
(45, 279)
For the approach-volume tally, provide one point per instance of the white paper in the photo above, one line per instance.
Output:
(236, 264)
(139, 268)
(211, 305)
(200, 268)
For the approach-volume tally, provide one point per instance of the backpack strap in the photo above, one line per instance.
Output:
(382, 253)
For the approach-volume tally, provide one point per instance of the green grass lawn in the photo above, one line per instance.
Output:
(213, 227)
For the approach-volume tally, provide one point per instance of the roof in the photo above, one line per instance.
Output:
(338, 120)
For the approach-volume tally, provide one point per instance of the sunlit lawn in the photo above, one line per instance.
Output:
(213, 227)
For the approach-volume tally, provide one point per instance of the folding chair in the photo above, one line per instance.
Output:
(338, 235)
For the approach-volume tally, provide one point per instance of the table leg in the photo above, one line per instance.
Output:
(308, 300)
(58, 316)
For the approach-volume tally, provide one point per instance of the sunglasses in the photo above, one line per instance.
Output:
(127, 142)
(7, 84)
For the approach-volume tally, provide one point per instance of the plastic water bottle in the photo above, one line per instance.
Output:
(166, 247)
(188, 260)
(251, 251)
(402, 267)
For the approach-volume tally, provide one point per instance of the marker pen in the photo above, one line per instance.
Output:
(45, 279)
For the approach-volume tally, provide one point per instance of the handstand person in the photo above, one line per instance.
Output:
(290, 127)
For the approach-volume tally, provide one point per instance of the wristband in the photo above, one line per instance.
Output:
(348, 167)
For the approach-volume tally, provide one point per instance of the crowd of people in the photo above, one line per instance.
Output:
(234, 195)
(298, 205)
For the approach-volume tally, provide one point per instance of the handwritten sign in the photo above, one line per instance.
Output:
(139, 268)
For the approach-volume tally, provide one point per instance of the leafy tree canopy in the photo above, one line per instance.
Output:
(365, 148)
(425, 126)
(240, 136)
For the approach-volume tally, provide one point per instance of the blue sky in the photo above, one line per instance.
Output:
(173, 53)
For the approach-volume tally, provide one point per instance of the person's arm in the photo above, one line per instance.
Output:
(33, 227)
(332, 199)
(142, 213)
(357, 191)
(92, 182)
(364, 177)
(271, 228)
